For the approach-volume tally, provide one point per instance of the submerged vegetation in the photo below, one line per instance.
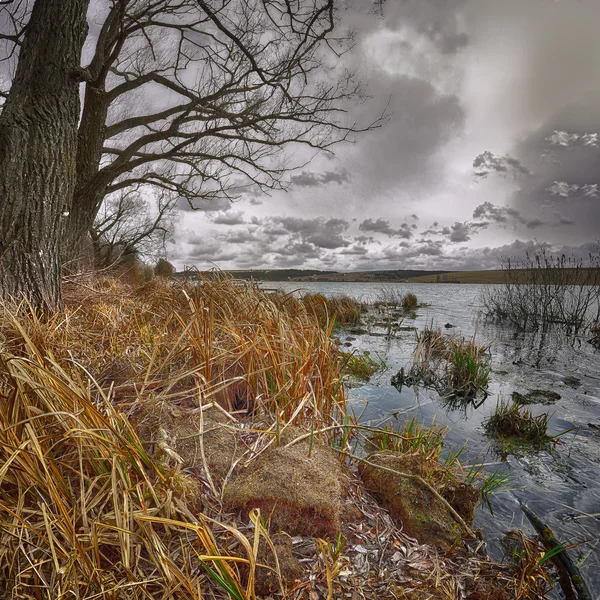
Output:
(454, 366)
(361, 365)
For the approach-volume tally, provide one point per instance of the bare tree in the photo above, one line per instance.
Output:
(199, 98)
(133, 223)
(195, 97)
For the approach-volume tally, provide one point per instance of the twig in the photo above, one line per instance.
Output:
(422, 481)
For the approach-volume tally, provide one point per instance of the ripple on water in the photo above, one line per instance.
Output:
(562, 486)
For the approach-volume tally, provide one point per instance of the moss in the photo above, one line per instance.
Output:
(420, 513)
(297, 493)
(489, 589)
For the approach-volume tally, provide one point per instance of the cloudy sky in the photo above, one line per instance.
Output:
(493, 145)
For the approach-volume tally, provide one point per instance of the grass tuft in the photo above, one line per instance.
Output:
(512, 419)
(361, 365)
(409, 302)
(455, 367)
(443, 469)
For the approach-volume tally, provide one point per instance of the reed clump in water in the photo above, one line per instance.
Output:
(454, 366)
(393, 300)
(542, 290)
(361, 365)
(409, 302)
(513, 420)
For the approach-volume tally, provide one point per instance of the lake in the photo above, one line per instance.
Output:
(562, 486)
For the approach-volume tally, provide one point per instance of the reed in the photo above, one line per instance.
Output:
(454, 366)
(85, 509)
(339, 310)
(511, 419)
(409, 302)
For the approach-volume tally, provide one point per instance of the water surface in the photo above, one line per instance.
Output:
(562, 485)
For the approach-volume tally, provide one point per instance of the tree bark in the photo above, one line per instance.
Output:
(87, 200)
(38, 145)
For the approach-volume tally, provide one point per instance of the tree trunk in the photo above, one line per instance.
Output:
(38, 145)
(86, 198)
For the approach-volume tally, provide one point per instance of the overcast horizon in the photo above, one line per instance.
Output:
(492, 146)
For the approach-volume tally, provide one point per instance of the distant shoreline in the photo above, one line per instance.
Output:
(393, 276)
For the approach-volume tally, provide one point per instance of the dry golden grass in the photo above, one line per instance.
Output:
(237, 345)
(85, 510)
(341, 310)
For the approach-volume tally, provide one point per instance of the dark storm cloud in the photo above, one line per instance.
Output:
(487, 163)
(460, 231)
(324, 240)
(355, 250)
(504, 215)
(322, 233)
(405, 151)
(365, 239)
(309, 179)
(566, 179)
(310, 226)
(556, 110)
(384, 227)
(203, 249)
(240, 237)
